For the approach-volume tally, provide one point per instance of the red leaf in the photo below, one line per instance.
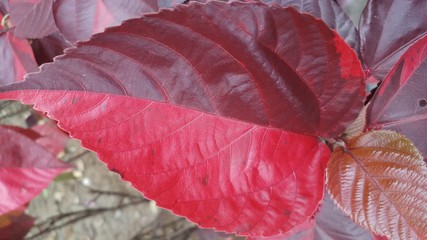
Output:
(280, 82)
(400, 103)
(380, 180)
(204, 133)
(330, 12)
(17, 59)
(32, 18)
(15, 224)
(387, 29)
(79, 19)
(25, 169)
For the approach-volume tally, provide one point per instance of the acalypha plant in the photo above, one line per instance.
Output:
(237, 115)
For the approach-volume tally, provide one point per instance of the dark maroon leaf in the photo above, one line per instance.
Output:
(79, 19)
(15, 224)
(332, 224)
(32, 18)
(315, 98)
(26, 168)
(45, 49)
(329, 12)
(16, 58)
(196, 114)
(387, 28)
(400, 104)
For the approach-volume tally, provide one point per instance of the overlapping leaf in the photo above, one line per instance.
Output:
(79, 19)
(400, 103)
(329, 223)
(32, 18)
(194, 107)
(380, 180)
(45, 49)
(25, 169)
(330, 13)
(387, 28)
(17, 58)
(353, 9)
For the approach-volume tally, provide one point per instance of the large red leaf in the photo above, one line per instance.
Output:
(220, 173)
(26, 168)
(195, 113)
(32, 18)
(330, 12)
(263, 72)
(387, 28)
(79, 19)
(17, 58)
(400, 103)
(380, 180)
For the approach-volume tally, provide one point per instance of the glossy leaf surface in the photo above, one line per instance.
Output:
(330, 12)
(238, 71)
(198, 118)
(25, 169)
(32, 18)
(400, 104)
(387, 28)
(380, 180)
(79, 19)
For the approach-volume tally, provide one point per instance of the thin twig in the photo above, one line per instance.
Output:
(75, 216)
(78, 156)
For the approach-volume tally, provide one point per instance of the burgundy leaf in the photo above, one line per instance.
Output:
(25, 169)
(4, 7)
(331, 224)
(15, 224)
(196, 114)
(253, 72)
(387, 28)
(16, 58)
(79, 19)
(329, 12)
(400, 104)
(32, 18)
